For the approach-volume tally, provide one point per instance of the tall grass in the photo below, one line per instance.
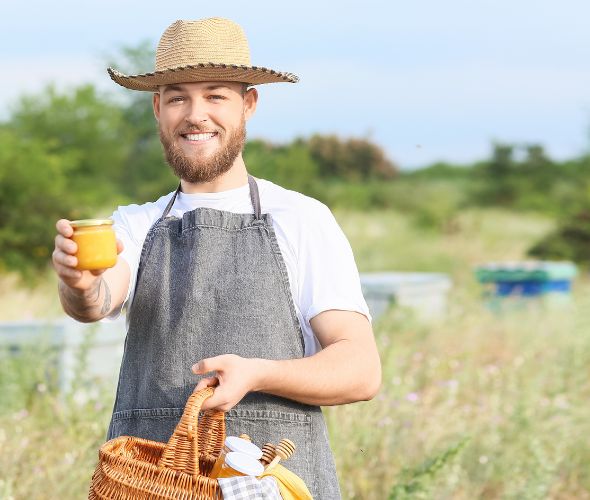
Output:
(515, 385)
(480, 404)
(49, 439)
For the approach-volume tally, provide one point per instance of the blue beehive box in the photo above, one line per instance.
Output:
(526, 279)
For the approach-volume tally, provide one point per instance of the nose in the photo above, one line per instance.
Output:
(196, 113)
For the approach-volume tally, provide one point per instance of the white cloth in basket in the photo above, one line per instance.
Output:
(249, 488)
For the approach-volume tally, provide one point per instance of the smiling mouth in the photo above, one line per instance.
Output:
(200, 137)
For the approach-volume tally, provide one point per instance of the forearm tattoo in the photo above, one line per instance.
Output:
(87, 306)
(106, 304)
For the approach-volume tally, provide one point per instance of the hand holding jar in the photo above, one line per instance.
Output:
(84, 250)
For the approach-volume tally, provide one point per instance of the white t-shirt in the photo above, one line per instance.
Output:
(321, 267)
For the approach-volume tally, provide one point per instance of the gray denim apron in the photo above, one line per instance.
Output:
(211, 283)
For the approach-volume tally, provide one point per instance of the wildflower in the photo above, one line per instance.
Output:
(21, 415)
(80, 397)
(454, 364)
(385, 422)
(561, 402)
(492, 369)
(69, 458)
(453, 385)
(518, 361)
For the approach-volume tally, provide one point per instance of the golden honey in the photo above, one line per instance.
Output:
(97, 245)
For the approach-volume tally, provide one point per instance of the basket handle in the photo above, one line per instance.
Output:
(181, 453)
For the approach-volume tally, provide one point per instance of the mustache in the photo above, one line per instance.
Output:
(193, 128)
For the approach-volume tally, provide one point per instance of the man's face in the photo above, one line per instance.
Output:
(203, 126)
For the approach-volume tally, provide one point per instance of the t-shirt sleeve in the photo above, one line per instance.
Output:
(328, 275)
(130, 231)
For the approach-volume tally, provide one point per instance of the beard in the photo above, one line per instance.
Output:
(201, 168)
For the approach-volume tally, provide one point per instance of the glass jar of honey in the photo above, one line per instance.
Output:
(235, 444)
(240, 464)
(97, 245)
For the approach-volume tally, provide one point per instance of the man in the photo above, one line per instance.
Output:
(252, 287)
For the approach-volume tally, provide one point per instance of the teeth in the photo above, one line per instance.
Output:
(199, 137)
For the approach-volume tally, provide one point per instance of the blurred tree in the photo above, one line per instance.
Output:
(83, 125)
(496, 186)
(537, 167)
(290, 166)
(570, 241)
(34, 181)
(351, 159)
(145, 175)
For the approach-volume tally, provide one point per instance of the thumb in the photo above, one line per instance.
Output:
(208, 365)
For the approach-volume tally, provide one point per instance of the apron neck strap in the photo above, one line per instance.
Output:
(171, 202)
(254, 197)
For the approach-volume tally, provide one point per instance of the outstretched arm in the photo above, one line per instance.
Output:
(87, 295)
(347, 369)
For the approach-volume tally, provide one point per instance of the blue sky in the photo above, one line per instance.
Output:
(427, 80)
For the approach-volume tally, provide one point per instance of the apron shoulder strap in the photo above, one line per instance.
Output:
(170, 203)
(254, 196)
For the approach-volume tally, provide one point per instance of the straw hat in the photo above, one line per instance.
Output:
(213, 49)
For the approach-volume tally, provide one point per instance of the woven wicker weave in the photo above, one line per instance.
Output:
(134, 468)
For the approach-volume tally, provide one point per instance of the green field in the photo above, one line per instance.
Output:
(480, 404)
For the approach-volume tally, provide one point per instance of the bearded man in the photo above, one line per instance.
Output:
(229, 281)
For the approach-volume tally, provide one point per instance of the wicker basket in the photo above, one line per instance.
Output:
(135, 468)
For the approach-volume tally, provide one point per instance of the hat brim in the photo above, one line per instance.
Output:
(252, 75)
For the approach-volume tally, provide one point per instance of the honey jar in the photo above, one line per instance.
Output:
(97, 245)
(240, 464)
(235, 444)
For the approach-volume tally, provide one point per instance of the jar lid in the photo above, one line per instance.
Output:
(91, 222)
(244, 463)
(238, 444)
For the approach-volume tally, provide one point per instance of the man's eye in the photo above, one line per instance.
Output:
(176, 99)
(217, 97)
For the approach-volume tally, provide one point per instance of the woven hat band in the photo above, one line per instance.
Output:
(219, 41)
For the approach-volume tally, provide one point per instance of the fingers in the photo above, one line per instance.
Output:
(63, 257)
(232, 379)
(64, 227)
(67, 273)
(65, 264)
(217, 363)
(65, 244)
(207, 382)
(219, 401)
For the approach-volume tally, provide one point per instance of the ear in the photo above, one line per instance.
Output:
(250, 101)
(156, 105)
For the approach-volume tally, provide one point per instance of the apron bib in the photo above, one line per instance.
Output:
(211, 283)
